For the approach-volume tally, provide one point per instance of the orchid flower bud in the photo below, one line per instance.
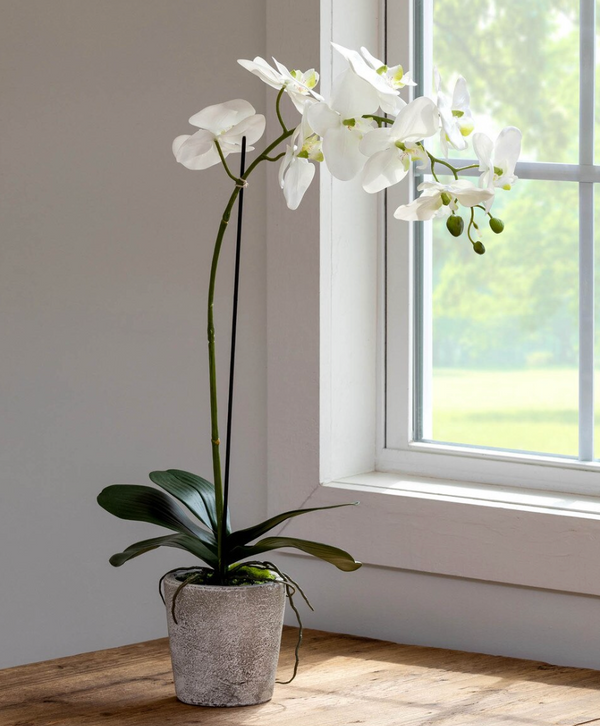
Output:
(455, 225)
(496, 225)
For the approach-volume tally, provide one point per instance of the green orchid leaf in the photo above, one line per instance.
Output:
(341, 559)
(198, 498)
(206, 491)
(182, 541)
(243, 536)
(145, 504)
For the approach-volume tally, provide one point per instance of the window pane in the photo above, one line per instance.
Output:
(521, 61)
(505, 326)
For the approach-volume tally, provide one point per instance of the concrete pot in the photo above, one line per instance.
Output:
(225, 644)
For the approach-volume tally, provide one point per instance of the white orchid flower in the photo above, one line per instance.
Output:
(497, 160)
(296, 172)
(226, 123)
(298, 85)
(341, 125)
(391, 150)
(394, 76)
(363, 67)
(455, 114)
(439, 200)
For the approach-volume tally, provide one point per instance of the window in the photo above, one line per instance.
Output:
(433, 508)
(502, 363)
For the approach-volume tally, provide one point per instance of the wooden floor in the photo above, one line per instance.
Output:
(343, 680)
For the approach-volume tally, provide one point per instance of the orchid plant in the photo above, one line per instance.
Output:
(364, 129)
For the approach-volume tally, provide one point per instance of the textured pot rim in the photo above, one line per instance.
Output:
(221, 588)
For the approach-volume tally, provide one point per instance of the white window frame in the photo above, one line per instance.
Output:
(324, 314)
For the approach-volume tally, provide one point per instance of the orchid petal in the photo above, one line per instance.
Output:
(391, 104)
(282, 69)
(375, 63)
(363, 70)
(421, 210)
(264, 71)
(322, 118)
(196, 152)
(298, 98)
(185, 147)
(178, 142)
(222, 115)
(483, 148)
(468, 194)
(451, 133)
(416, 121)
(297, 180)
(252, 128)
(285, 163)
(352, 96)
(508, 148)
(460, 97)
(341, 152)
(384, 169)
(431, 187)
(376, 140)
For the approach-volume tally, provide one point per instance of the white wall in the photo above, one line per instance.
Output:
(105, 245)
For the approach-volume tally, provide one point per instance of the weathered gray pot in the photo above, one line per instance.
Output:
(225, 644)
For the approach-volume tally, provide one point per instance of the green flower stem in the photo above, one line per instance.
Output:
(433, 161)
(214, 409)
(277, 102)
(275, 158)
(480, 206)
(380, 119)
(471, 223)
(236, 179)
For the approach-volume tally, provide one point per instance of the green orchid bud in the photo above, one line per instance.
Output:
(400, 145)
(446, 198)
(302, 154)
(382, 69)
(349, 122)
(498, 171)
(294, 74)
(496, 225)
(455, 225)
(479, 248)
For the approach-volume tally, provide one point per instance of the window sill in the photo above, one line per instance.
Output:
(498, 534)
(516, 498)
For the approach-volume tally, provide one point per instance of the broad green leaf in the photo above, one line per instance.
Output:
(145, 504)
(206, 491)
(182, 541)
(341, 559)
(199, 499)
(243, 536)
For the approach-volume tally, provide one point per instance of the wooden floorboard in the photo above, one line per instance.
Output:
(343, 680)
